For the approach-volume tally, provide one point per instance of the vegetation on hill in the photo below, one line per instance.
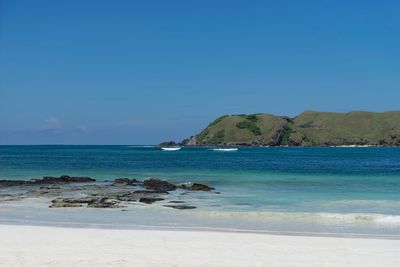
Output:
(311, 128)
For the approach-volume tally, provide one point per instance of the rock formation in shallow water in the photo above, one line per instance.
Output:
(86, 193)
(125, 181)
(157, 184)
(47, 180)
(195, 187)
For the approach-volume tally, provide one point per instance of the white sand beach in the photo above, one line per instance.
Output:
(53, 246)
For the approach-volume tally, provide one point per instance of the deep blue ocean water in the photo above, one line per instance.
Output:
(347, 185)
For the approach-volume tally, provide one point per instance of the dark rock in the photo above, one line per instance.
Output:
(150, 200)
(8, 183)
(176, 201)
(168, 143)
(63, 179)
(158, 184)
(195, 187)
(104, 205)
(180, 207)
(91, 202)
(64, 205)
(126, 181)
(138, 194)
(103, 200)
(59, 203)
(128, 197)
(85, 200)
(121, 180)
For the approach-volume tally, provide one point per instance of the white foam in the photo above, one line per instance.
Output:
(388, 219)
(224, 149)
(324, 218)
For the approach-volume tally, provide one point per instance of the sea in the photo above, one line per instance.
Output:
(342, 191)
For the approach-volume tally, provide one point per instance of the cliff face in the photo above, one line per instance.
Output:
(310, 128)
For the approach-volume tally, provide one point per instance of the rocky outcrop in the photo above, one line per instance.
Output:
(104, 203)
(115, 194)
(139, 194)
(168, 143)
(61, 204)
(47, 180)
(195, 187)
(64, 179)
(84, 200)
(91, 202)
(126, 181)
(157, 184)
(9, 183)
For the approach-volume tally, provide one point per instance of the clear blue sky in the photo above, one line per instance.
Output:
(140, 72)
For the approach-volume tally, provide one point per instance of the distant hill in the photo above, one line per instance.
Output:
(310, 128)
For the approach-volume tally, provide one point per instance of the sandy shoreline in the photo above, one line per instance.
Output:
(55, 246)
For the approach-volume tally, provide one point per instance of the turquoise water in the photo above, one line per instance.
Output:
(350, 188)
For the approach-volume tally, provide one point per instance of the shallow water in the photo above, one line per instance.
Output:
(330, 190)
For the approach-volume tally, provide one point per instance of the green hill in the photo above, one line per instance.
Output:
(310, 128)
